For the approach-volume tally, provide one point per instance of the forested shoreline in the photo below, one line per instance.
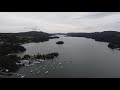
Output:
(112, 37)
(11, 43)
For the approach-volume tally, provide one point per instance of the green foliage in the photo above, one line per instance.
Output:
(8, 48)
(47, 56)
(9, 62)
(114, 45)
(26, 57)
(25, 39)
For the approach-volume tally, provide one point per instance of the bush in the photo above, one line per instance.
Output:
(9, 62)
(26, 57)
(39, 56)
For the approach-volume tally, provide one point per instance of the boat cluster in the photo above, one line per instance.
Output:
(40, 68)
(28, 60)
(29, 63)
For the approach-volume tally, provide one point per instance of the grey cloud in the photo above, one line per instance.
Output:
(60, 21)
(101, 14)
(98, 15)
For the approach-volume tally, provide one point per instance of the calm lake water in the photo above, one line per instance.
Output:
(79, 58)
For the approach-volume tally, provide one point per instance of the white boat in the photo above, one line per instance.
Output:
(22, 76)
(31, 71)
(46, 72)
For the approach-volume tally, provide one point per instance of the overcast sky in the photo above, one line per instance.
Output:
(53, 22)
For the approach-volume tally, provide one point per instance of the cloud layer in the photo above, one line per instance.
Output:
(60, 21)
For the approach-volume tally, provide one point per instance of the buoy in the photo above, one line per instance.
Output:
(53, 68)
(61, 67)
(46, 72)
(36, 69)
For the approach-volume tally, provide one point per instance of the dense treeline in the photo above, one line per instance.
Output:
(40, 56)
(9, 62)
(112, 37)
(8, 48)
(25, 37)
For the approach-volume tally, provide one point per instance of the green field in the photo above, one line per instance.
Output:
(24, 37)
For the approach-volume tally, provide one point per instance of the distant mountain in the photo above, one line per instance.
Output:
(106, 36)
(58, 33)
(33, 33)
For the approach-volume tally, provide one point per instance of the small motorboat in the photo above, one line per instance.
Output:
(46, 72)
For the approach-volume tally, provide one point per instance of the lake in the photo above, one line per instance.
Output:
(78, 58)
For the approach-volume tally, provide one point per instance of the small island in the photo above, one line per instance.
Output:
(60, 42)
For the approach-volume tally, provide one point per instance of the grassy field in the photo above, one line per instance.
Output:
(25, 38)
